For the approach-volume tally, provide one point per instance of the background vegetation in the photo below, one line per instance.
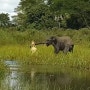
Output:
(49, 14)
(11, 36)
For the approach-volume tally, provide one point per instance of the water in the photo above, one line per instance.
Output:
(41, 77)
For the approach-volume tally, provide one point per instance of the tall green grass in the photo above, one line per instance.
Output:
(80, 58)
(14, 45)
(16, 37)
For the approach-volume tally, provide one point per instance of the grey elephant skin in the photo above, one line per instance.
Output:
(63, 43)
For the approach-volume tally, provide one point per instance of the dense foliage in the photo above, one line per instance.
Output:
(4, 20)
(48, 14)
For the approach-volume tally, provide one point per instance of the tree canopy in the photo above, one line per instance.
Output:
(44, 14)
(4, 20)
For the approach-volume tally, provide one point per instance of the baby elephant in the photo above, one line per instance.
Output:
(63, 43)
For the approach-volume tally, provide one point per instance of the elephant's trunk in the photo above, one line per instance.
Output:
(40, 43)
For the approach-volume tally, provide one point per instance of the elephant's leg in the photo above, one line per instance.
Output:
(56, 50)
(66, 49)
(71, 48)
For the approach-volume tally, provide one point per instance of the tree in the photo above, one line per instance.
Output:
(41, 13)
(41, 17)
(4, 20)
(36, 14)
(73, 8)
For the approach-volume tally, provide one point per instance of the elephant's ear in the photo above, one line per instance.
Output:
(54, 40)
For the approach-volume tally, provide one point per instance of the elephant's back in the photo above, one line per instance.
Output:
(66, 39)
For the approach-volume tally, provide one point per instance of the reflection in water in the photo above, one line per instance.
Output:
(34, 79)
(11, 80)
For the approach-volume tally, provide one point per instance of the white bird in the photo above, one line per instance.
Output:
(33, 47)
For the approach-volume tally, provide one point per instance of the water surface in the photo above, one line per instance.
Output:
(43, 77)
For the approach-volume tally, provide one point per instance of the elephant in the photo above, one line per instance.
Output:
(63, 43)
